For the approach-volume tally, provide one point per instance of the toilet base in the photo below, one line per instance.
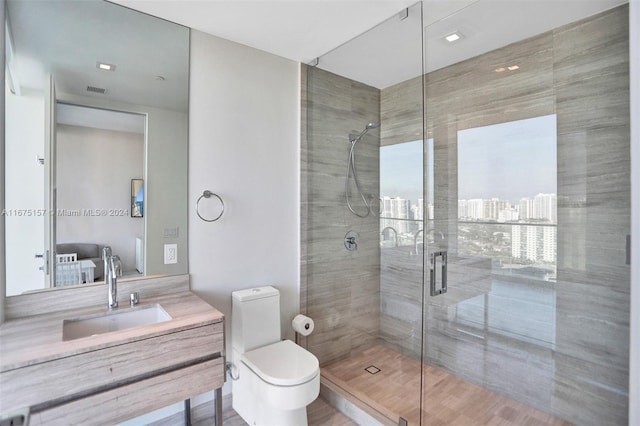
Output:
(256, 413)
(281, 417)
(260, 404)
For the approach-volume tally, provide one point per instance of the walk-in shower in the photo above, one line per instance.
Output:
(508, 160)
(351, 171)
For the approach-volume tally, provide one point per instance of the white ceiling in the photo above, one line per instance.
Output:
(75, 115)
(361, 39)
(302, 30)
(68, 37)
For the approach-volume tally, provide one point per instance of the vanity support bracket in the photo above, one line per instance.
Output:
(187, 412)
(218, 408)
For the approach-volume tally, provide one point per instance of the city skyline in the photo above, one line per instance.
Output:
(536, 207)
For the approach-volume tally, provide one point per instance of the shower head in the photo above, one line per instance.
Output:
(353, 138)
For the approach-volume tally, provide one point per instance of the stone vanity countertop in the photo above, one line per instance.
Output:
(36, 339)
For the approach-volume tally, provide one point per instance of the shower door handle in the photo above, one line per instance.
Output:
(432, 273)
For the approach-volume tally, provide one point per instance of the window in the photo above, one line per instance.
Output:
(401, 195)
(507, 196)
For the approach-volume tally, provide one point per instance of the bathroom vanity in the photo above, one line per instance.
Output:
(75, 377)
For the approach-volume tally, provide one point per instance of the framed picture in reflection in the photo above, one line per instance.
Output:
(137, 197)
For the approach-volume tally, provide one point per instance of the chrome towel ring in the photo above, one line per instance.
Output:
(209, 194)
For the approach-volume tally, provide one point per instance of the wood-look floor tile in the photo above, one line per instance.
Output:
(447, 400)
(319, 413)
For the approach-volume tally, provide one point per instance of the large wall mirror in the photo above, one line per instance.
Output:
(96, 97)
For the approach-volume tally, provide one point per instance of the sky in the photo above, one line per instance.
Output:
(401, 170)
(509, 161)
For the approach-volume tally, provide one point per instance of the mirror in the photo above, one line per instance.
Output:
(112, 85)
(137, 197)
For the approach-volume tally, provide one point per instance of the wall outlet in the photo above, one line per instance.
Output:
(170, 254)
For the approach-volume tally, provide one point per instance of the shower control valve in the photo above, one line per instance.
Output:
(351, 240)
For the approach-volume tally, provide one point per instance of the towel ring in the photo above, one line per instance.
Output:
(209, 194)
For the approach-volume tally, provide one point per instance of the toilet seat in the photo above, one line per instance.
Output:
(282, 364)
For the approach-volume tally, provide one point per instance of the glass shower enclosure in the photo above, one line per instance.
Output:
(479, 271)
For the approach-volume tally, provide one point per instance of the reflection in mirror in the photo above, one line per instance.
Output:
(137, 198)
(119, 116)
(92, 210)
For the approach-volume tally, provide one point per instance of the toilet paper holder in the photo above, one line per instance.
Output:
(302, 325)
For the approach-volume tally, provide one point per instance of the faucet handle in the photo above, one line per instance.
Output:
(118, 265)
(134, 298)
(106, 252)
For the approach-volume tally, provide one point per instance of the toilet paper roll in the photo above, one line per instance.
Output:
(302, 324)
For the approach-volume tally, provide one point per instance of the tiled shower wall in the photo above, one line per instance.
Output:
(591, 79)
(340, 288)
(580, 73)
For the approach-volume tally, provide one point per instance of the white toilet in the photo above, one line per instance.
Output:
(273, 380)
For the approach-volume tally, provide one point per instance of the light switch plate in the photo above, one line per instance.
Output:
(171, 232)
(170, 254)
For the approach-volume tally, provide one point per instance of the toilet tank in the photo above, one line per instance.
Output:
(255, 318)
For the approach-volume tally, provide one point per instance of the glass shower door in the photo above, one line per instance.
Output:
(362, 221)
(526, 287)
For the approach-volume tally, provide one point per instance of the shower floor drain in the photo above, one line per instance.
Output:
(372, 369)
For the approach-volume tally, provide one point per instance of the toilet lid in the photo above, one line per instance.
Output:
(283, 363)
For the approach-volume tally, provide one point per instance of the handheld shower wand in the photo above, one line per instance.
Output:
(351, 169)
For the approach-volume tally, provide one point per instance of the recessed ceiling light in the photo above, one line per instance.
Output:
(513, 67)
(455, 36)
(105, 66)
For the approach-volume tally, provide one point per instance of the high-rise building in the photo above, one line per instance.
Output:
(463, 209)
(475, 209)
(516, 241)
(493, 207)
(417, 211)
(396, 208)
(535, 243)
(510, 214)
(545, 207)
(525, 209)
(549, 252)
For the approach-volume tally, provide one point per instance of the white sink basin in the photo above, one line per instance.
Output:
(113, 321)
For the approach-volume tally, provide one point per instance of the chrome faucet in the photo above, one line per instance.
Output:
(112, 268)
(395, 233)
(415, 240)
(432, 230)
